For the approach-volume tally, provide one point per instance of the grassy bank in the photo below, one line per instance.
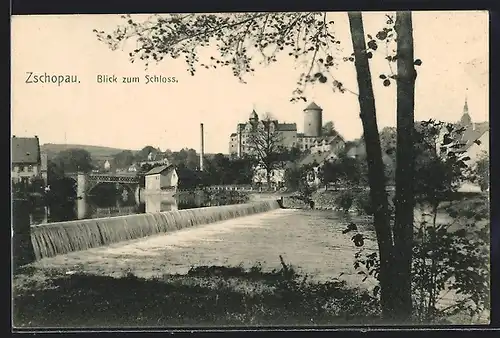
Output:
(206, 296)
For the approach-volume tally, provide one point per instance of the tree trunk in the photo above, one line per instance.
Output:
(376, 176)
(403, 224)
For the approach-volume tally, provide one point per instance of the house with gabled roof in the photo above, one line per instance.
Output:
(163, 177)
(27, 162)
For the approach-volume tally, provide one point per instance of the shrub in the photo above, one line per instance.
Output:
(363, 203)
(213, 295)
(345, 200)
(444, 260)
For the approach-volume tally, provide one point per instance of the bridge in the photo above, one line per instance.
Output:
(85, 182)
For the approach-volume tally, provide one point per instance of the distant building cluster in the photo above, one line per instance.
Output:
(311, 139)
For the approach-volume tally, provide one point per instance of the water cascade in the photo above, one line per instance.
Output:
(63, 237)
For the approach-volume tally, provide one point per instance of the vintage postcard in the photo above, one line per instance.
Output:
(250, 169)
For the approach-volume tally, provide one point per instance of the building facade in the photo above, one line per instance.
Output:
(27, 162)
(240, 141)
(161, 178)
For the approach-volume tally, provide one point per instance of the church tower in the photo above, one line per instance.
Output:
(466, 120)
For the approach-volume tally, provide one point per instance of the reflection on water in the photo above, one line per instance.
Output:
(121, 203)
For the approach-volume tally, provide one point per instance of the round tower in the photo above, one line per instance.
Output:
(313, 120)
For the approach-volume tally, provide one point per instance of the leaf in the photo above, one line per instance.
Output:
(369, 55)
(387, 83)
(358, 240)
(382, 76)
(323, 79)
(417, 62)
(382, 35)
(372, 44)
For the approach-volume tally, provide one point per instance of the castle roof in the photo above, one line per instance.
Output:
(25, 150)
(287, 126)
(253, 115)
(313, 106)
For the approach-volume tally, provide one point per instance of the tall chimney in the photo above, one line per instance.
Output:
(202, 151)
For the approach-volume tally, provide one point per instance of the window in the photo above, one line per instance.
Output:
(30, 168)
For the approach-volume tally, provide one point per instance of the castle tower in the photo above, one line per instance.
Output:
(313, 120)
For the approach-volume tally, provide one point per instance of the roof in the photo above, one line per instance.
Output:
(313, 106)
(253, 115)
(158, 170)
(329, 139)
(25, 150)
(318, 157)
(472, 134)
(287, 126)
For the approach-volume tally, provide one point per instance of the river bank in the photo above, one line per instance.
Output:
(204, 297)
(227, 273)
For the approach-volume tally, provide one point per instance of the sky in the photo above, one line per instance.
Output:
(453, 47)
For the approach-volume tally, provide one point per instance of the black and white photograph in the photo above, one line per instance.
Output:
(250, 169)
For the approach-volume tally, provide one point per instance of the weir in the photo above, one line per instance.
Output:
(64, 237)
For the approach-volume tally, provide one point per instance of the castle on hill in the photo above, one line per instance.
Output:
(287, 135)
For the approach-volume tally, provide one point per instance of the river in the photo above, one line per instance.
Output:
(119, 204)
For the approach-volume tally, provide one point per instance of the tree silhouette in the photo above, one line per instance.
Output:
(124, 159)
(73, 160)
(329, 129)
(265, 144)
